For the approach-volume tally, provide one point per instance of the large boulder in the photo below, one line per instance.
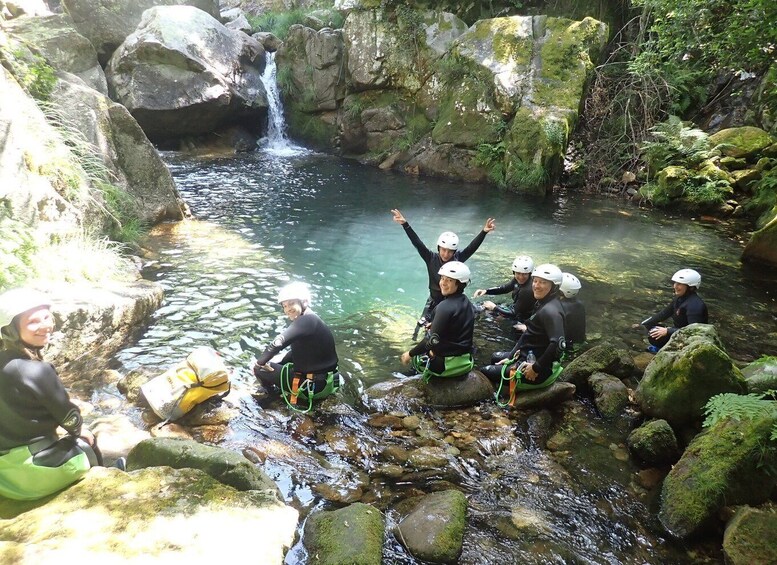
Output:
(762, 247)
(749, 536)
(545, 397)
(434, 530)
(654, 443)
(744, 142)
(353, 534)
(58, 42)
(689, 370)
(605, 358)
(107, 23)
(467, 390)
(610, 394)
(727, 464)
(761, 374)
(181, 72)
(157, 515)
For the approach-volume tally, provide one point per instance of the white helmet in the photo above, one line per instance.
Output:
(523, 264)
(570, 285)
(448, 240)
(295, 291)
(19, 300)
(549, 273)
(687, 276)
(455, 270)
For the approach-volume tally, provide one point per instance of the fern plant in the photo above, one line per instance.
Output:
(741, 407)
(677, 144)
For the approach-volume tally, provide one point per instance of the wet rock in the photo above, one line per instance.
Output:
(158, 514)
(689, 370)
(116, 435)
(650, 478)
(459, 391)
(428, 458)
(539, 425)
(225, 466)
(341, 493)
(749, 536)
(761, 374)
(411, 422)
(610, 394)
(385, 421)
(762, 247)
(171, 429)
(343, 441)
(605, 358)
(529, 521)
(390, 470)
(654, 442)
(554, 394)
(353, 534)
(396, 453)
(724, 465)
(130, 385)
(398, 395)
(434, 530)
(213, 412)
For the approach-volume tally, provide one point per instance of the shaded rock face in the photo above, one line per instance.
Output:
(749, 536)
(685, 374)
(353, 534)
(434, 530)
(761, 374)
(604, 358)
(610, 394)
(654, 442)
(169, 514)
(107, 23)
(181, 72)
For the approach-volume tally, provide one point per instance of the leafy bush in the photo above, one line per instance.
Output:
(491, 157)
(675, 143)
(764, 196)
(17, 249)
(277, 23)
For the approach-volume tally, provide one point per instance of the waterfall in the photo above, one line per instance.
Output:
(276, 140)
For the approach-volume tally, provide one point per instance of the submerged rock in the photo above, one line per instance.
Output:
(353, 534)
(610, 395)
(434, 530)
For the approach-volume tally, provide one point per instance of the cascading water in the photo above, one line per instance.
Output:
(276, 141)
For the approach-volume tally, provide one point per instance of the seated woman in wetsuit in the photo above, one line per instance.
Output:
(34, 461)
(311, 363)
(686, 308)
(446, 351)
(520, 288)
(544, 335)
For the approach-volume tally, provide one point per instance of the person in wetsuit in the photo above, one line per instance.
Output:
(544, 335)
(34, 461)
(522, 294)
(447, 250)
(574, 311)
(686, 308)
(446, 351)
(312, 358)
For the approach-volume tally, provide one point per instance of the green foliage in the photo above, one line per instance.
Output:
(491, 156)
(555, 133)
(32, 72)
(17, 249)
(285, 79)
(353, 107)
(528, 176)
(741, 407)
(277, 23)
(675, 143)
(764, 195)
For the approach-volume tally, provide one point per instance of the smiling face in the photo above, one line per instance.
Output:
(540, 287)
(35, 326)
(445, 254)
(680, 289)
(448, 285)
(521, 277)
(292, 308)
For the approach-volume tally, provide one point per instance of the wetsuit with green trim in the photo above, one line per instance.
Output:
(451, 332)
(684, 310)
(434, 262)
(544, 336)
(523, 299)
(574, 321)
(312, 350)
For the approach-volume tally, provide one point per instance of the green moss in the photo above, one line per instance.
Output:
(17, 251)
(309, 128)
(32, 72)
(468, 116)
(353, 534)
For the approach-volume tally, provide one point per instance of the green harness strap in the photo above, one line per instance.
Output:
(304, 389)
(455, 366)
(515, 384)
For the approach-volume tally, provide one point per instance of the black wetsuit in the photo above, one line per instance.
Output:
(434, 262)
(684, 310)
(312, 351)
(453, 326)
(544, 336)
(574, 321)
(33, 403)
(523, 299)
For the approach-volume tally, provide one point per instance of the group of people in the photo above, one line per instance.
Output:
(37, 459)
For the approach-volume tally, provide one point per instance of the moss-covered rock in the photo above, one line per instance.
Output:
(654, 443)
(761, 374)
(610, 395)
(727, 464)
(749, 536)
(468, 116)
(604, 358)
(353, 534)
(225, 466)
(689, 370)
(434, 530)
(762, 247)
(671, 182)
(743, 142)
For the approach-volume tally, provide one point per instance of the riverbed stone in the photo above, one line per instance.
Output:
(762, 247)
(429, 458)
(654, 442)
(158, 514)
(554, 394)
(450, 392)
(742, 142)
(612, 359)
(727, 464)
(610, 394)
(749, 536)
(761, 374)
(689, 370)
(116, 435)
(353, 534)
(434, 530)
(224, 465)
(396, 395)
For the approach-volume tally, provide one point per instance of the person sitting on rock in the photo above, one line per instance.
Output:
(309, 370)
(686, 308)
(446, 350)
(574, 311)
(530, 364)
(520, 287)
(447, 250)
(34, 460)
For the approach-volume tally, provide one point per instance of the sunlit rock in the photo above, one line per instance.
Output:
(762, 247)
(434, 530)
(353, 534)
(428, 458)
(116, 435)
(744, 142)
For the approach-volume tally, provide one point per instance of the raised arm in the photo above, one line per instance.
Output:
(423, 251)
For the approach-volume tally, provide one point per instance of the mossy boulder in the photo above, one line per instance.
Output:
(743, 142)
(727, 464)
(689, 370)
(671, 182)
(434, 530)
(157, 514)
(544, 397)
(353, 534)
(761, 374)
(225, 466)
(749, 536)
(654, 442)
(468, 116)
(605, 358)
(448, 392)
(762, 247)
(610, 395)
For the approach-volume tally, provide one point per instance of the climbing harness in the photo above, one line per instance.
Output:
(513, 378)
(295, 385)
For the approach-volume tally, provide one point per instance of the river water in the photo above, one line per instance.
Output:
(264, 219)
